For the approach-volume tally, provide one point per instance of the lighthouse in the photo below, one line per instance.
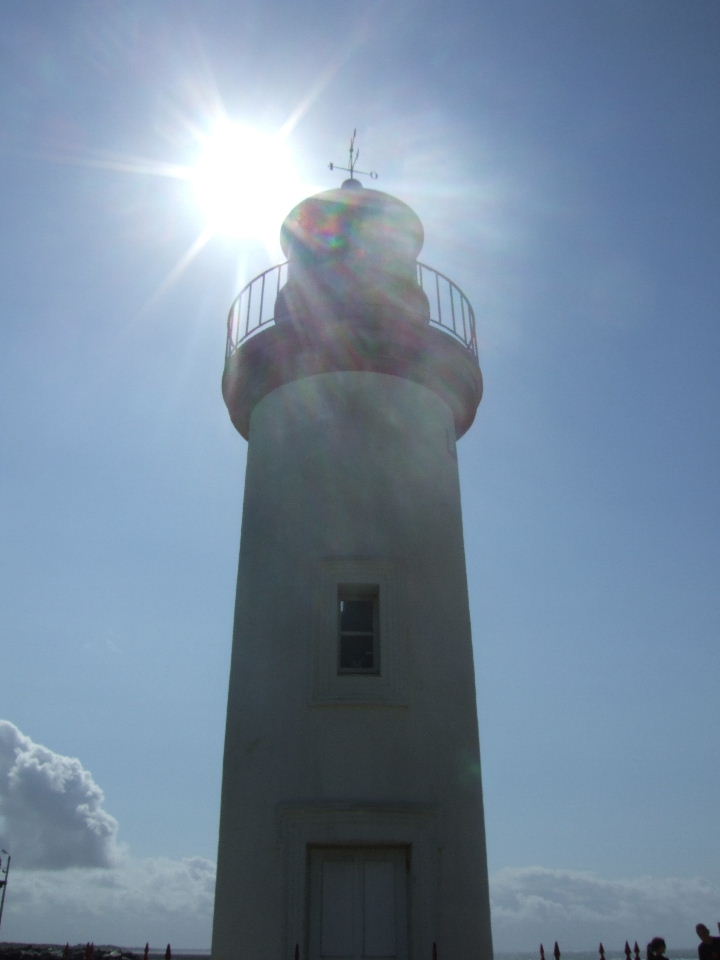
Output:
(351, 821)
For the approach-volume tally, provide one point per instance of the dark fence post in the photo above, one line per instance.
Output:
(636, 951)
(556, 951)
(434, 956)
(297, 951)
(542, 952)
(601, 952)
(627, 950)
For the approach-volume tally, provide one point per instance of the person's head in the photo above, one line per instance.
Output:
(656, 948)
(702, 931)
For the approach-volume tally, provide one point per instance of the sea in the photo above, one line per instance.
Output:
(611, 953)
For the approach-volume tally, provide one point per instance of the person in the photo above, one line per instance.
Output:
(709, 946)
(656, 949)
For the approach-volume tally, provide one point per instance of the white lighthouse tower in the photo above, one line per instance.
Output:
(352, 823)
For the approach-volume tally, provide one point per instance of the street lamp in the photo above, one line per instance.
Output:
(4, 881)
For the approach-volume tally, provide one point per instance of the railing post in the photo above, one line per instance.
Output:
(542, 952)
(556, 951)
(601, 952)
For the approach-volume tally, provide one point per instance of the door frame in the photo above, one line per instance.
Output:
(307, 824)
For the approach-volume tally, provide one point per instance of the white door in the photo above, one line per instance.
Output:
(358, 903)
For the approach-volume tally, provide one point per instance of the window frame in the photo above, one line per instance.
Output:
(349, 592)
(387, 686)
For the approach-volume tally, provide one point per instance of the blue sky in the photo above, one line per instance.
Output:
(563, 159)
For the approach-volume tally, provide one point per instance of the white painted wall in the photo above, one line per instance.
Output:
(351, 474)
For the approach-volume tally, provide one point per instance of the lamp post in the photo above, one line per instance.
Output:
(4, 881)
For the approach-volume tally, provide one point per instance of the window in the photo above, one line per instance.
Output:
(358, 629)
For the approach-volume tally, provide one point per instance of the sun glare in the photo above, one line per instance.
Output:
(244, 181)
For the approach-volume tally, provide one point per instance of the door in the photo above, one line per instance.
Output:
(358, 907)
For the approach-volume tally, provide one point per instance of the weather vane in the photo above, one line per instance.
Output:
(353, 154)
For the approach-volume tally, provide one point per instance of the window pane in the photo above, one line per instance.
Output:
(356, 652)
(357, 615)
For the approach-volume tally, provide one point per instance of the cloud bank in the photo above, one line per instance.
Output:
(532, 905)
(51, 808)
(138, 900)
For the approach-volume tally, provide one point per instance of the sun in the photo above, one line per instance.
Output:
(240, 180)
(244, 181)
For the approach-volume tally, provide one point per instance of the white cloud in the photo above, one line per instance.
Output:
(532, 905)
(69, 878)
(156, 900)
(51, 808)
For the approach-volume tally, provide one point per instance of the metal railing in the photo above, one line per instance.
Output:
(253, 308)
(453, 312)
